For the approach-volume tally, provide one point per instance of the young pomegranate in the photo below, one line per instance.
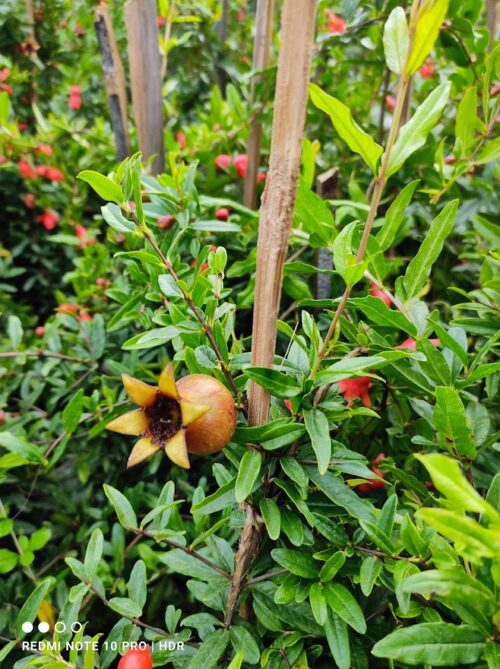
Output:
(195, 415)
(136, 658)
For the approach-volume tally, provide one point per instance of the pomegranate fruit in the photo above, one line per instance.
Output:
(136, 658)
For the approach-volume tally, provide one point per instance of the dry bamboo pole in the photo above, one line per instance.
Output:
(297, 33)
(145, 78)
(261, 51)
(114, 78)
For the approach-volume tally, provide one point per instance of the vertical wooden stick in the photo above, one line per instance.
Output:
(145, 76)
(326, 188)
(492, 21)
(297, 32)
(261, 49)
(114, 79)
(222, 32)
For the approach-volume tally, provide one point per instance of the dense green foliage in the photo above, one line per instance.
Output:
(374, 485)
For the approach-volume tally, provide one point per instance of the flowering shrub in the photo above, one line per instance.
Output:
(358, 527)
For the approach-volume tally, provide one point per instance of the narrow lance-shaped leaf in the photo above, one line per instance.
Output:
(413, 134)
(420, 266)
(396, 40)
(450, 421)
(431, 15)
(355, 138)
(394, 216)
(103, 186)
(247, 474)
(465, 123)
(319, 431)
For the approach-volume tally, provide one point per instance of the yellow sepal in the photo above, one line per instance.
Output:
(176, 450)
(166, 382)
(191, 412)
(143, 449)
(133, 422)
(139, 392)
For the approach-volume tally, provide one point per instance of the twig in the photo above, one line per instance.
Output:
(43, 354)
(197, 313)
(387, 556)
(186, 549)
(267, 576)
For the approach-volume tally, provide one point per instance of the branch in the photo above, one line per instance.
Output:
(44, 354)
(387, 556)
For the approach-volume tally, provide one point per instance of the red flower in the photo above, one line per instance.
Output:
(495, 89)
(75, 100)
(288, 404)
(67, 308)
(102, 282)
(222, 161)
(427, 69)
(390, 101)
(373, 484)
(222, 214)
(357, 387)
(165, 222)
(39, 331)
(411, 345)
(53, 174)
(240, 163)
(335, 24)
(46, 149)
(136, 658)
(376, 292)
(180, 138)
(30, 200)
(160, 21)
(84, 316)
(49, 219)
(25, 169)
(261, 177)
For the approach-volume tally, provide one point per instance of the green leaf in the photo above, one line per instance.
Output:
(337, 636)
(332, 566)
(318, 603)
(243, 641)
(247, 474)
(489, 152)
(124, 511)
(103, 186)
(30, 607)
(272, 517)
(297, 563)
(341, 494)
(465, 123)
(413, 134)
(93, 553)
(21, 447)
(449, 479)
(8, 560)
(435, 365)
(452, 585)
(450, 421)
(420, 266)
(319, 431)
(237, 660)
(220, 499)
(137, 584)
(474, 542)
(73, 412)
(396, 40)
(375, 309)
(6, 649)
(125, 607)
(355, 138)
(395, 215)
(343, 603)
(275, 382)
(6, 526)
(210, 651)
(437, 644)
(113, 216)
(431, 15)
(368, 574)
(15, 331)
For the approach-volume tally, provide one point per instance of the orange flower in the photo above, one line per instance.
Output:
(357, 387)
(335, 24)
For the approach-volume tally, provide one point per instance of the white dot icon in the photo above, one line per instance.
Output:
(43, 627)
(27, 627)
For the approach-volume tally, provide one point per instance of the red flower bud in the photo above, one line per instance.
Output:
(427, 69)
(180, 138)
(240, 163)
(222, 161)
(25, 169)
(39, 331)
(30, 200)
(67, 308)
(390, 101)
(49, 219)
(2, 416)
(411, 344)
(376, 292)
(373, 484)
(84, 316)
(222, 214)
(335, 24)
(165, 222)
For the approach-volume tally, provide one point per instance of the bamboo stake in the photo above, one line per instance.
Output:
(297, 32)
(261, 51)
(114, 78)
(145, 77)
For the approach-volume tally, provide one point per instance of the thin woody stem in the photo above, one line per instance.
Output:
(380, 182)
(197, 313)
(43, 354)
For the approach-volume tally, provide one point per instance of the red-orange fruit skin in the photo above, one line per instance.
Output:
(214, 429)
